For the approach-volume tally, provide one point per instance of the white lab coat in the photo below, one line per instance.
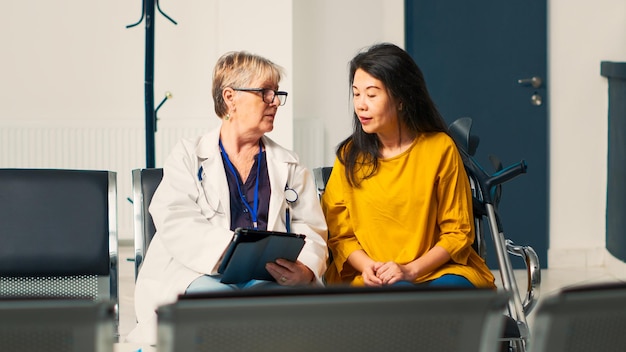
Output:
(192, 219)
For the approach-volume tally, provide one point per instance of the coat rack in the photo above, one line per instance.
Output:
(148, 7)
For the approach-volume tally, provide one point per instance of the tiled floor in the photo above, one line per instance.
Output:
(552, 281)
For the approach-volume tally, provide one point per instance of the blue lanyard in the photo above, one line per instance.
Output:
(254, 210)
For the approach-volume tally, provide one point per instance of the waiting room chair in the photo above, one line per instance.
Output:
(581, 319)
(58, 234)
(57, 325)
(144, 183)
(334, 319)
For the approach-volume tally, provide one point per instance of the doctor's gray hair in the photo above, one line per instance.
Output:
(238, 69)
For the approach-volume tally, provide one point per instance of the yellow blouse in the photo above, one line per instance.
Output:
(417, 200)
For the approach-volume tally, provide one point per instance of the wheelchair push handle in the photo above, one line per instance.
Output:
(506, 174)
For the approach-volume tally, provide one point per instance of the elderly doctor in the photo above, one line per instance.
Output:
(231, 177)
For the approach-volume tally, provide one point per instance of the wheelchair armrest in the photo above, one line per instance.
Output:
(533, 271)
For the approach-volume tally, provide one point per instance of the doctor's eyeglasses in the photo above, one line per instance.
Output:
(267, 94)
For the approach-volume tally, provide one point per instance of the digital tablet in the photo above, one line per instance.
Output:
(250, 250)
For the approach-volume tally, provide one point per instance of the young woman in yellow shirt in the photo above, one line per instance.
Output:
(398, 202)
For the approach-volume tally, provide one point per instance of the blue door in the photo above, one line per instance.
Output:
(487, 60)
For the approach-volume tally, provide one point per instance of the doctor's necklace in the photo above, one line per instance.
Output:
(255, 207)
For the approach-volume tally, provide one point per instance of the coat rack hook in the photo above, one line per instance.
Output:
(163, 13)
(143, 12)
(168, 95)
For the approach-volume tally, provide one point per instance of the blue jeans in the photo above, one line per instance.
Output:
(206, 283)
(447, 280)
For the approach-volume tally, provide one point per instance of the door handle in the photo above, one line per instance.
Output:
(533, 81)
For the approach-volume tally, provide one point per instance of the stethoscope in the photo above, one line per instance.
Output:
(291, 196)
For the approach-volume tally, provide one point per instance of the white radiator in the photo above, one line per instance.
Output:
(109, 145)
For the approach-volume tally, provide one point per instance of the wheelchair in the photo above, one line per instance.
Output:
(487, 191)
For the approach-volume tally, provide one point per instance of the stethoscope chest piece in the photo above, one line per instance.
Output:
(290, 195)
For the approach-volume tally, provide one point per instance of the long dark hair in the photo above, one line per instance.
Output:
(405, 83)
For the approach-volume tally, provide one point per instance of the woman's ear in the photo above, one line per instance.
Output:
(228, 95)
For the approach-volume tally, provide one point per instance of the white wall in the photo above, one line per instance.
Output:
(74, 62)
(581, 35)
(70, 59)
(327, 34)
